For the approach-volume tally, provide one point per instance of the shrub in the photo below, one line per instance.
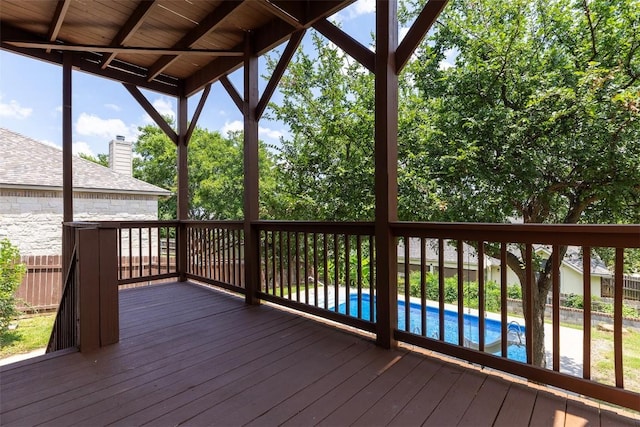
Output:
(11, 272)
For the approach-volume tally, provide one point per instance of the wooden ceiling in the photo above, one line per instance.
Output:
(170, 46)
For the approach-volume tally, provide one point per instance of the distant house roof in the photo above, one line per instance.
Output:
(573, 257)
(29, 164)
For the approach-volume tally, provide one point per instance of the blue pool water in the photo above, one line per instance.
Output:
(492, 327)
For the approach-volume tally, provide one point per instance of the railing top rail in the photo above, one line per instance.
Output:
(123, 224)
(353, 227)
(606, 235)
(216, 223)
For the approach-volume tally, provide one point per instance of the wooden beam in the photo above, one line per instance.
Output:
(418, 30)
(183, 185)
(251, 173)
(196, 114)
(310, 11)
(151, 111)
(347, 43)
(58, 18)
(278, 72)
(67, 139)
(129, 28)
(122, 49)
(208, 23)
(88, 62)
(274, 9)
(266, 38)
(233, 93)
(386, 170)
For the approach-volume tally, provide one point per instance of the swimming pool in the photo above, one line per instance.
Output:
(492, 327)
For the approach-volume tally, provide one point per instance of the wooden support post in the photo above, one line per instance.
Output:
(386, 164)
(183, 185)
(67, 157)
(98, 285)
(251, 175)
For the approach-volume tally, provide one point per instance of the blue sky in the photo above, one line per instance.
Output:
(31, 98)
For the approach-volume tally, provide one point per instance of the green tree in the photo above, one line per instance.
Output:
(101, 159)
(536, 119)
(326, 168)
(11, 273)
(215, 172)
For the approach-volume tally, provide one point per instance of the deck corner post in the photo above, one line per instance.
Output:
(251, 173)
(386, 165)
(183, 184)
(98, 284)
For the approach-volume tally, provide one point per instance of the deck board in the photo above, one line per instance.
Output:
(190, 355)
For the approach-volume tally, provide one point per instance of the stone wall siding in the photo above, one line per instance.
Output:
(32, 220)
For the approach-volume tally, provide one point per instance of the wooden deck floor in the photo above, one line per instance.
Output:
(192, 356)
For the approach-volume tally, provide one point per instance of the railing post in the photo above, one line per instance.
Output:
(251, 173)
(181, 248)
(98, 288)
(386, 164)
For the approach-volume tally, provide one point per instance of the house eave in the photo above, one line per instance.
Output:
(4, 186)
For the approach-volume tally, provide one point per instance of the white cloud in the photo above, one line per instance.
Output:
(58, 109)
(92, 125)
(164, 107)
(77, 147)
(270, 133)
(50, 144)
(14, 110)
(233, 126)
(81, 147)
(402, 32)
(449, 59)
(360, 7)
(113, 107)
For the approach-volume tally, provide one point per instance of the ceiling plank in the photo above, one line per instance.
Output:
(233, 92)
(278, 72)
(418, 30)
(58, 18)
(273, 9)
(207, 25)
(129, 28)
(122, 49)
(150, 110)
(347, 43)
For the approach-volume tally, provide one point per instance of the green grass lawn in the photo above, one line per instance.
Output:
(31, 334)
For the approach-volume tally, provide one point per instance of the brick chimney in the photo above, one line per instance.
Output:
(120, 156)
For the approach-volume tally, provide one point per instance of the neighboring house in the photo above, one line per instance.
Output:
(31, 194)
(571, 270)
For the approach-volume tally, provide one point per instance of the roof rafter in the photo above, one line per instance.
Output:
(267, 37)
(58, 18)
(418, 30)
(122, 49)
(347, 43)
(278, 72)
(207, 24)
(129, 28)
(274, 9)
(151, 111)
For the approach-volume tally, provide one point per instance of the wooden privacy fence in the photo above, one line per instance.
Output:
(42, 284)
(630, 288)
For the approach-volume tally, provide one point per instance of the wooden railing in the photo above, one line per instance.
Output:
(146, 251)
(492, 246)
(215, 253)
(326, 269)
(65, 327)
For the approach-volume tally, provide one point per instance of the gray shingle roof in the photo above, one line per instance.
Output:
(27, 163)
